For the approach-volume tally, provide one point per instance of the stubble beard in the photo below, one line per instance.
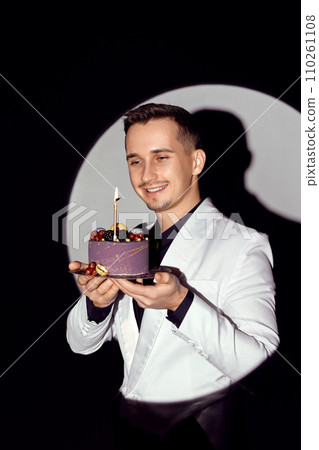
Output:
(158, 207)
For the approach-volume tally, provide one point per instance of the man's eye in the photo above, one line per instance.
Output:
(134, 163)
(162, 158)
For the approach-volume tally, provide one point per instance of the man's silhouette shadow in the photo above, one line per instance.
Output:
(224, 184)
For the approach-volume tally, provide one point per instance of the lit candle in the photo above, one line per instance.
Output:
(116, 198)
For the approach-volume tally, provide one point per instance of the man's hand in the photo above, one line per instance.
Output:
(100, 290)
(167, 293)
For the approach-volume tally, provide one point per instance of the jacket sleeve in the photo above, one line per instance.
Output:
(85, 336)
(241, 332)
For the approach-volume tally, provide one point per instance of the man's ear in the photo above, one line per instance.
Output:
(199, 158)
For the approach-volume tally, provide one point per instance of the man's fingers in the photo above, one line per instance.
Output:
(162, 277)
(132, 289)
(90, 283)
(107, 286)
(129, 288)
(77, 265)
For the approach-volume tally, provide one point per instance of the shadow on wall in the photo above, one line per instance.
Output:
(224, 184)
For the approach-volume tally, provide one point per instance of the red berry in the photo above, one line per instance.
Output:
(136, 238)
(101, 233)
(96, 238)
(131, 236)
(140, 235)
(92, 265)
(93, 233)
(94, 272)
(88, 271)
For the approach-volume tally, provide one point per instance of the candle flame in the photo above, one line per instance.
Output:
(116, 195)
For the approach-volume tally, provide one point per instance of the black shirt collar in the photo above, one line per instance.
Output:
(172, 231)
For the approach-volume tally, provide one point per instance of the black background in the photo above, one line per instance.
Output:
(82, 78)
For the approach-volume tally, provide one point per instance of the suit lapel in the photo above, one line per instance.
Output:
(190, 238)
(129, 329)
(151, 324)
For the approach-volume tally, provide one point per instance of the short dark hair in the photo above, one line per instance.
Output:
(188, 133)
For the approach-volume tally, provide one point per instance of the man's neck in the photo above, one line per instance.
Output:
(168, 218)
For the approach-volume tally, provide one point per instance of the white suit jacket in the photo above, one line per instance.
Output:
(229, 329)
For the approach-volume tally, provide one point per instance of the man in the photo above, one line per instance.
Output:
(200, 328)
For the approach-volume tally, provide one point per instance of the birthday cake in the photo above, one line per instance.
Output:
(118, 254)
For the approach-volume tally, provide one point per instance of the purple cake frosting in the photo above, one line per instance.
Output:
(120, 258)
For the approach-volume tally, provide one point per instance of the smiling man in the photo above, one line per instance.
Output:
(196, 331)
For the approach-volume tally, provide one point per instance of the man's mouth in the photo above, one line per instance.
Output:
(155, 189)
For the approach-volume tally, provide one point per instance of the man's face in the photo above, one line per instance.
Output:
(161, 172)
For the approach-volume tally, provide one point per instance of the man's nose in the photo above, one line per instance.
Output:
(149, 173)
